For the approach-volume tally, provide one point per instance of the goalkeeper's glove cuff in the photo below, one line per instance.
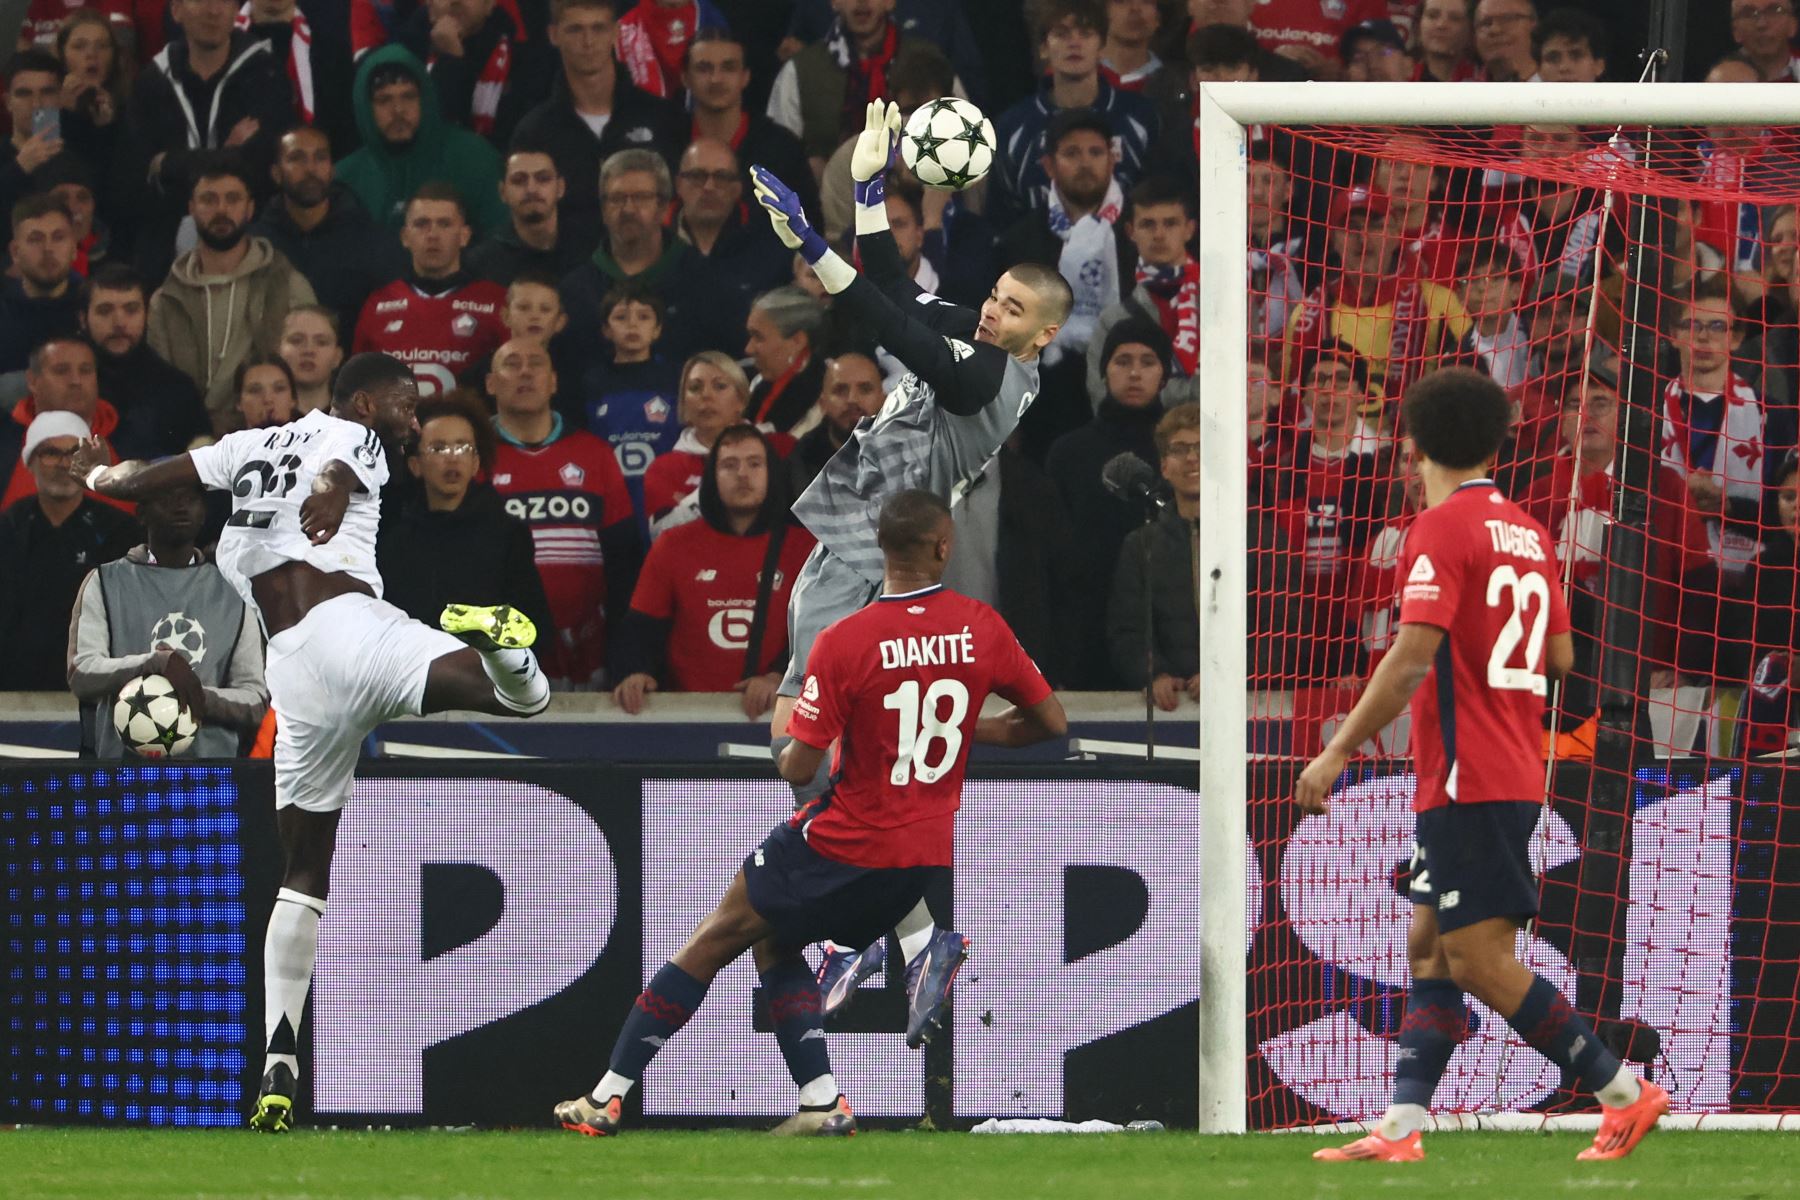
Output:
(833, 272)
(871, 220)
(872, 193)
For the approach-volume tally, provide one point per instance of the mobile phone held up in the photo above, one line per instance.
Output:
(47, 123)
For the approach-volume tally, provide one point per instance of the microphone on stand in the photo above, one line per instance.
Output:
(1130, 479)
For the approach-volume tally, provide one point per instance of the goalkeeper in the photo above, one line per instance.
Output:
(971, 376)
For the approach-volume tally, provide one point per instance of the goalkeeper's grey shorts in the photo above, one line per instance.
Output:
(825, 591)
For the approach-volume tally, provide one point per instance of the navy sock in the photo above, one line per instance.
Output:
(1551, 1026)
(1435, 1022)
(662, 1009)
(792, 995)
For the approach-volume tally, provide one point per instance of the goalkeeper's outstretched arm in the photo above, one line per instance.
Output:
(964, 375)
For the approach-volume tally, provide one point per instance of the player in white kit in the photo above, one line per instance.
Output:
(300, 547)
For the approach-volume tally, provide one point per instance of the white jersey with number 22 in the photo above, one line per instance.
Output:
(270, 472)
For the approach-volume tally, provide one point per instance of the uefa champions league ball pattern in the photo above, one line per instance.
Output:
(180, 632)
(948, 144)
(151, 721)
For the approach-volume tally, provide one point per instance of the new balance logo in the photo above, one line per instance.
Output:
(1449, 900)
(653, 1040)
(759, 856)
(813, 1033)
(706, 575)
(1576, 1046)
(1423, 571)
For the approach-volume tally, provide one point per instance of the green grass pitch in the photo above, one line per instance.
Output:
(127, 1164)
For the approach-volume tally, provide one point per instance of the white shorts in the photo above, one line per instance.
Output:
(824, 593)
(350, 664)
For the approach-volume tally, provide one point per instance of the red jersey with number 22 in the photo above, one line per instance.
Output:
(900, 684)
(1478, 568)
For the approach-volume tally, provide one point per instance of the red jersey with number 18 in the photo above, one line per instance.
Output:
(899, 685)
(1478, 568)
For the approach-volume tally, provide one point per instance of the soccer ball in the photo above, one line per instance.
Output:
(150, 719)
(178, 631)
(948, 144)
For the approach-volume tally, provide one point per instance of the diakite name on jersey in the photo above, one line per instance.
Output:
(932, 650)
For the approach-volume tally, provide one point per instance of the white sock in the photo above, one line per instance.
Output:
(610, 1085)
(822, 1090)
(1623, 1089)
(289, 948)
(518, 683)
(1402, 1120)
(915, 930)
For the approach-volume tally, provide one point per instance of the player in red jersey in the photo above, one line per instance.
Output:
(439, 319)
(898, 687)
(1483, 627)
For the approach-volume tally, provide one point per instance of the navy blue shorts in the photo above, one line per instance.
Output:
(1473, 861)
(809, 898)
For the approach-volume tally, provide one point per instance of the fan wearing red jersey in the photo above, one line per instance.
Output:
(1483, 628)
(899, 687)
(439, 320)
(567, 486)
(709, 613)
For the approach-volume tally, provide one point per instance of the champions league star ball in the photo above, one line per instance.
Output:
(151, 721)
(948, 144)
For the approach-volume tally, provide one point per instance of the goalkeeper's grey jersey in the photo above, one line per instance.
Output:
(913, 442)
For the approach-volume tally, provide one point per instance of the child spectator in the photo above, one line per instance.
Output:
(631, 401)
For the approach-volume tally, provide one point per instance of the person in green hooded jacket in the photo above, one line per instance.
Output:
(406, 143)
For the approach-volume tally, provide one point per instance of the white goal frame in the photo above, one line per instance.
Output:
(1225, 111)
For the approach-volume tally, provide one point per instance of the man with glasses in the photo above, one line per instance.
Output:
(594, 111)
(1503, 39)
(716, 77)
(1764, 31)
(741, 258)
(1716, 434)
(534, 239)
(452, 540)
(636, 247)
(49, 541)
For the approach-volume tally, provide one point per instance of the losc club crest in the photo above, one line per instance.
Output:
(178, 631)
(463, 326)
(572, 475)
(656, 411)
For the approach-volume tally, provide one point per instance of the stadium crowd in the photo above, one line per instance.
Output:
(541, 206)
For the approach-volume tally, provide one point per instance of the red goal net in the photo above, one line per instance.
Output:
(1635, 293)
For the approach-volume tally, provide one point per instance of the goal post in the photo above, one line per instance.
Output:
(1238, 1051)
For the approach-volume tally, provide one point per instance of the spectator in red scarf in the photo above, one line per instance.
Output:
(823, 92)
(487, 71)
(782, 329)
(1166, 287)
(1574, 501)
(654, 39)
(1444, 42)
(716, 76)
(1401, 326)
